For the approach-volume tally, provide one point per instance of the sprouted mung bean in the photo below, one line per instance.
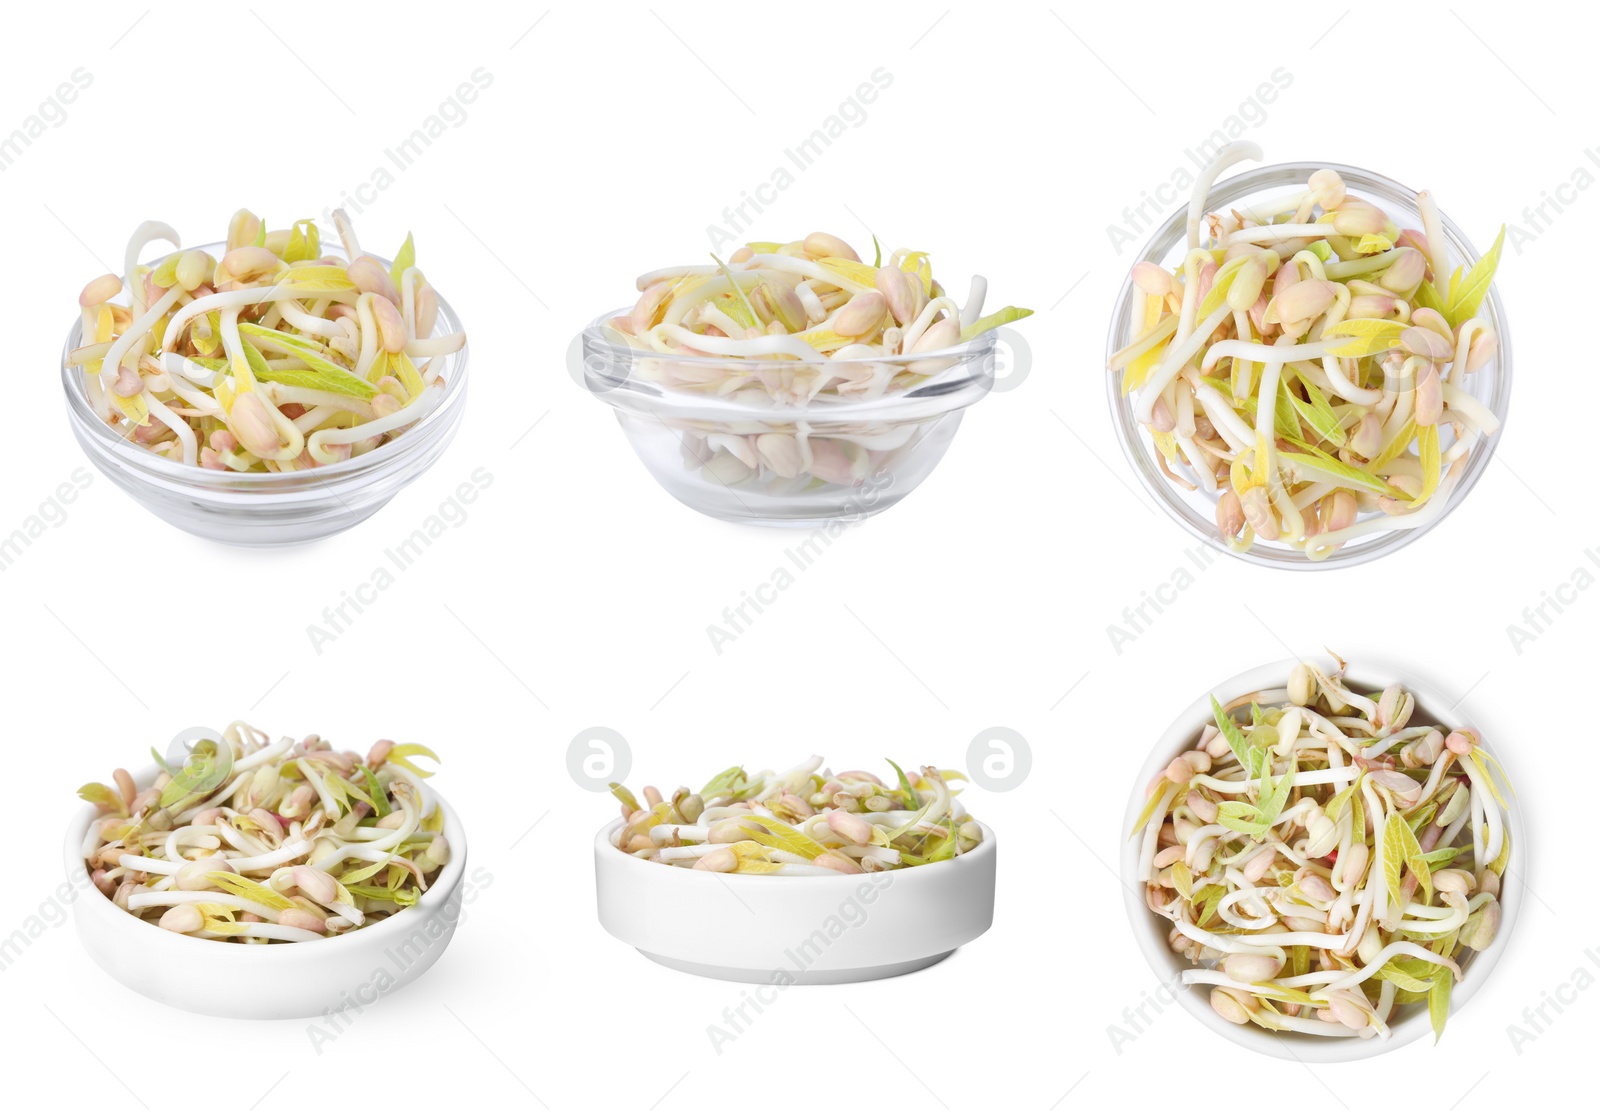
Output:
(813, 302)
(274, 358)
(1304, 364)
(803, 821)
(1322, 858)
(254, 840)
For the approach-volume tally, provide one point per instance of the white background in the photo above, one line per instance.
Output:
(577, 593)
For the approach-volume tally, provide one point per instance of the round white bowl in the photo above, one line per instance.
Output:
(294, 980)
(265, 509)
(1408, 1022)
(833, 929)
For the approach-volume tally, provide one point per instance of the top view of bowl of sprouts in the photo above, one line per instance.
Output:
(1310, 364)
(794, 382)
(1327, 859)
(268, 389)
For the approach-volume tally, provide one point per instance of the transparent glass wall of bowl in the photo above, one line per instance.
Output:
(1194, 510)
(270, 509)
(751, 457)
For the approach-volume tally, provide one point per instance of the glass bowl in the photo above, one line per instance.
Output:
(1408, 1022)
(269, 509)
(1195, 510)
(754, 459)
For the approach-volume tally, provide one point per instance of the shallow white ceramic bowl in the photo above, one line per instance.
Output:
(831, 929)
(294, 980)
(1407, 1023)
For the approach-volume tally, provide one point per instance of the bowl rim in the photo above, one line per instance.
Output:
(444, 886)
(1128, 431)
(968, 381)
(1165, 964)
(140, 460)
(986, 849)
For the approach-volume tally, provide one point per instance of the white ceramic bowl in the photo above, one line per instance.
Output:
(1408, 1022)
(294, 980)
(831, 929)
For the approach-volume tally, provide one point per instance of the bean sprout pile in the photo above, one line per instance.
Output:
(1323, 859)
(253, 840)
(1306, 363)
(810, 301)
(806, 821)
(275, 358)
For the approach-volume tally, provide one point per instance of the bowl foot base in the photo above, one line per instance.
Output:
(813, 975)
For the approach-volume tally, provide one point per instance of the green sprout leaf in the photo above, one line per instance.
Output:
(1439, 1001)
(209, 765)
(1007, 314)
(1469, 294)
(404, 259)
(305, 243)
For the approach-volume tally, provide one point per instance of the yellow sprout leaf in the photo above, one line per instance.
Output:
(133, 408)
(318, 278)
(1428, 446)
(918, 265)
(854, 272)
(1396, 446)
(1366, 337)
(825, 340)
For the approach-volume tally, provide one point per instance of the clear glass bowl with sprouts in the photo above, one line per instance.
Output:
(1310, 873)
(764, 462)
(268, 509)
(794, 384)
(1197, 510)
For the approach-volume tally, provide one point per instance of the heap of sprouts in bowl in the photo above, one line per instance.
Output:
(811, 302)
(1322, 858)
(804, 821)
(275, 357)
(254, 840)
(1305, 363)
